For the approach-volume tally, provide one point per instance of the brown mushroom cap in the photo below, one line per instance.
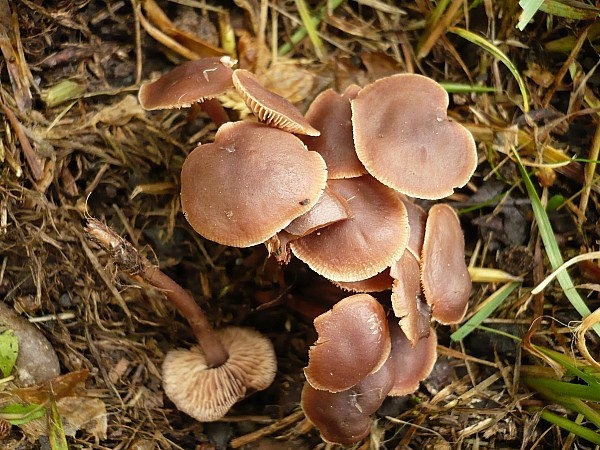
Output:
(249, 184)
(407, 299)
(353, 342)
(206, 393)
(365, 244)
(269, 107)
(413, 363)
(444, 274)
(330, 208)
(189, 83)
(335, 415)
(343, 417)
(405, 140)
(331, 114)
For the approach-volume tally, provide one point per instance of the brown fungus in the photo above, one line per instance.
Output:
(344, 417)
(413, 363)
(189, 83)
(366, 243)
(330, 113)
(444, 275)
(353, 342)
(405, 140)
(249, 184)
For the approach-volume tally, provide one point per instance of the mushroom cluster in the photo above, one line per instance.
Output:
(335, 189)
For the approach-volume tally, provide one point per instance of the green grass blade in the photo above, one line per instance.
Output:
(301, 32)
(563, 388)
(496, 53)
(571, 427)
(570, 10)
(572, 366)
(551, 245)
(490, 305)
(458, 88)
(311, 29)
(530, 7)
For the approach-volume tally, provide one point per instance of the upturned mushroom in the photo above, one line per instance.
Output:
(206, 381)
(270, 107)
(404, 138)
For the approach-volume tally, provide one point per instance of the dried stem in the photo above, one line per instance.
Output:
(129, 260)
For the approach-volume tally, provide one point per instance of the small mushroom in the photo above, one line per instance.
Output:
(191, 82)
(405, 140)
(353, 342)
(331, 114)
(444, 274)
(413, 363)
(344, 417)
(207, 393)
(407, 299)
(366, 243)
(269, 107)
(330, 208)
(249, 184)
(222, 367)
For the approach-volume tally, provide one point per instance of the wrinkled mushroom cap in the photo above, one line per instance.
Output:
(405, 140)
(269, 107)
(207, 394)
(249, 184)
(191, 82)
(366, 243)
(444, 275)
(353, 342)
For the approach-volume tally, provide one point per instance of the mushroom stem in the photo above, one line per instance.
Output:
(211, 346)
(129, 260)
(213, 108)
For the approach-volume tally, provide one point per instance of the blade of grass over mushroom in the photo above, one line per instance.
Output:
(551, 245)
(530, 7)
(311, 29)
(459, 88)
(497, 53)
(302, 31)
(571, 427)
(487, 308)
